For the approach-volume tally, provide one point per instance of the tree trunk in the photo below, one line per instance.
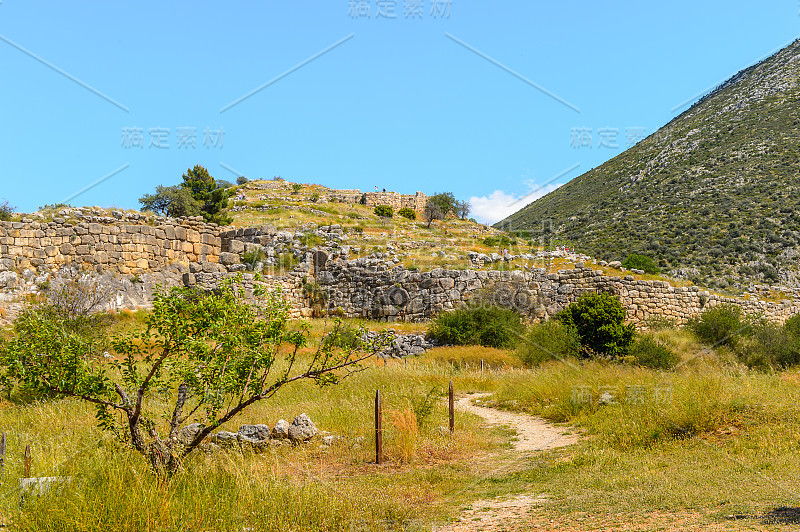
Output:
(162, 459)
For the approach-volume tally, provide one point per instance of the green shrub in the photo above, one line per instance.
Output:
(6, 211)
(486, 326)
(405, 212)
(640, 262)
(241, 180)
(314, 197)
(345, 336)
(252, 257)
(296, 187)
(497, 241)
(723, 324)
(770, 346)
(650, 353)
(546, 341)
(599, 320)
(384, 211)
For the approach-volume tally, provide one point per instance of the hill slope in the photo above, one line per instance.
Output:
(714, 195)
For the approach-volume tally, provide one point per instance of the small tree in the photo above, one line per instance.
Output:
(241, 180)
(384, 211)
(446, 202)
(211, 354)
(206, 190)
(173, 201)
(463, 209)
(432, 212)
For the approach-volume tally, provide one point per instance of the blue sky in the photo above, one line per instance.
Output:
(493, 101)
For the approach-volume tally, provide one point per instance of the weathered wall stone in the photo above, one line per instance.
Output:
(136, 256)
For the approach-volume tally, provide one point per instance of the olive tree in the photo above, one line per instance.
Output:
(210, 354)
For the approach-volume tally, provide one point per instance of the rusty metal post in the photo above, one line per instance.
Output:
(452, 409)
(378, 428)
(27, 461)
(2, 453)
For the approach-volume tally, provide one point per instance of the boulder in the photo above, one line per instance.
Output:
(302, 429)
(254, 433)
(281, 430)
(224, 437)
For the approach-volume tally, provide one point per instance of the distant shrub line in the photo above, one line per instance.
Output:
(594, 328)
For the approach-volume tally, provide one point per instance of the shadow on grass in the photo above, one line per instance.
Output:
(782, 516)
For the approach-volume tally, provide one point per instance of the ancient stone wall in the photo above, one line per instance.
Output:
(395, 200)
(193, 253)
(122, 247)
(367, 289)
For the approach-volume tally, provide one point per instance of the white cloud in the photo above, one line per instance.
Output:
(498, 205)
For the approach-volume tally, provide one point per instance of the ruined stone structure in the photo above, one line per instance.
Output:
(134, 256)
(371, 290)
(395, 200)
(122, 247)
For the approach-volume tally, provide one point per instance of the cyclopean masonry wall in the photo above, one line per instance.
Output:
(123, 247)
(395, 200)
(367, 288)
(136, 255)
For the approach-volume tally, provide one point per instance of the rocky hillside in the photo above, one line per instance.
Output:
(712, 196)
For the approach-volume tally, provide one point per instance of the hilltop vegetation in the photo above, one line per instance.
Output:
(713, 195)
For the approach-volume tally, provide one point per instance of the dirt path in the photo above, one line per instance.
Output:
(533, 434)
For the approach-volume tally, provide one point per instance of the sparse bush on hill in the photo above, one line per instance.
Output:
(723, 324)
(599, 321)
(6, 211)
(498, 241)
(635, 261)
(405, 212)
(486, 326)
(384, 211)
(241, 180)
(551, 340)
